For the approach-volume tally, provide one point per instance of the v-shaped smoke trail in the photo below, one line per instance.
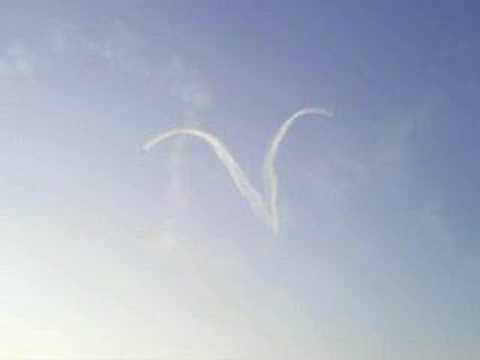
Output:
(268, 212)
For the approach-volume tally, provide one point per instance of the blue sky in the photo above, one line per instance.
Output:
(108, 251)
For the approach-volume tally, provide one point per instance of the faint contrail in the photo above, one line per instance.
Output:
(269, 172)
(241, 181)
(267, 211)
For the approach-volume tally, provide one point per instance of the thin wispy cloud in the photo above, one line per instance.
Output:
(113, 50)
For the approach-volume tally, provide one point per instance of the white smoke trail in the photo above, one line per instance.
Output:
(240, 179)
(268, 212)
(270, 174)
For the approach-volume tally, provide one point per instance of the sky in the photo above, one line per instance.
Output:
(111, 252)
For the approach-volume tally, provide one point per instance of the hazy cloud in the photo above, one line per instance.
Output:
(115, 50)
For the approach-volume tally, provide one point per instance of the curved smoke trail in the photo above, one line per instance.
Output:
(268, 212)
(269, 172)
(240, 179)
